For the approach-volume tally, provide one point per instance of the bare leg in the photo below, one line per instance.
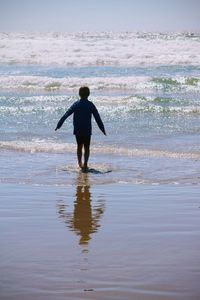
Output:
(79, 154)
(86, 155)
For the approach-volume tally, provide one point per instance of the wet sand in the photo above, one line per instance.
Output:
(99, 242)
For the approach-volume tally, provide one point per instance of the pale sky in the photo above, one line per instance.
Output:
(100, 15)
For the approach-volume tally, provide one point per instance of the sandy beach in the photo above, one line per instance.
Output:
(116, 241)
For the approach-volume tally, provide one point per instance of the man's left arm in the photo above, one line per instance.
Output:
(98, 119)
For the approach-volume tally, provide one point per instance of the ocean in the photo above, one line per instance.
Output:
(146, 87)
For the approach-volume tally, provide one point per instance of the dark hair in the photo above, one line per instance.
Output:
(84, 92)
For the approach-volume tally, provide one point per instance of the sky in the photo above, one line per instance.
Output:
(100, 15)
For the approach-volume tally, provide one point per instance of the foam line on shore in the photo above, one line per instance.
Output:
(52, 147)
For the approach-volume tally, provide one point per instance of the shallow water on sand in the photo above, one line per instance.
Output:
(99, 242)
(46, 169)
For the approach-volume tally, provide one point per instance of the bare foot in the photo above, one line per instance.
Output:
(85, 168)
(80, 165)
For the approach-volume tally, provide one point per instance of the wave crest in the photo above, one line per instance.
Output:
(52, 147)
(119, 83)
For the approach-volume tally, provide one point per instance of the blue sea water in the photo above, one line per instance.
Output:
(151, 112)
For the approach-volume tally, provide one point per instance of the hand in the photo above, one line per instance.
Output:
(56, 128)
(104, 133)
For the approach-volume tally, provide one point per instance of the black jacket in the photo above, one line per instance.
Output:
(83, 110)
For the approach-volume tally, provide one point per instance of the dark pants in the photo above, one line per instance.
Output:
(83, 140)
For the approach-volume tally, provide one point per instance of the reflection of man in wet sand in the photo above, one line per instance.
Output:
(84, 220)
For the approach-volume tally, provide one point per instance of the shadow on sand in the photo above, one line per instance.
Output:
(95, 171)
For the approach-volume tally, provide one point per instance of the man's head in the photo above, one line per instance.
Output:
(84, 92)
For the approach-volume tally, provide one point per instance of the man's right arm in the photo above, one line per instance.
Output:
(65, 116)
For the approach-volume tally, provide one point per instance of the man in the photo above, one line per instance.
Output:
(83, 110)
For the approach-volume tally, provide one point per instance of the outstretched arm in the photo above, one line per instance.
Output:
(65, 116)
(98, 119)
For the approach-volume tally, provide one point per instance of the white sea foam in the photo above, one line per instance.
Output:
(72, 84)
(53, 147)
(99, 49)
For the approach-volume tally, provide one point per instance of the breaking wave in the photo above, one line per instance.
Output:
(72, 84)
(100, 49)
(53, 147)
